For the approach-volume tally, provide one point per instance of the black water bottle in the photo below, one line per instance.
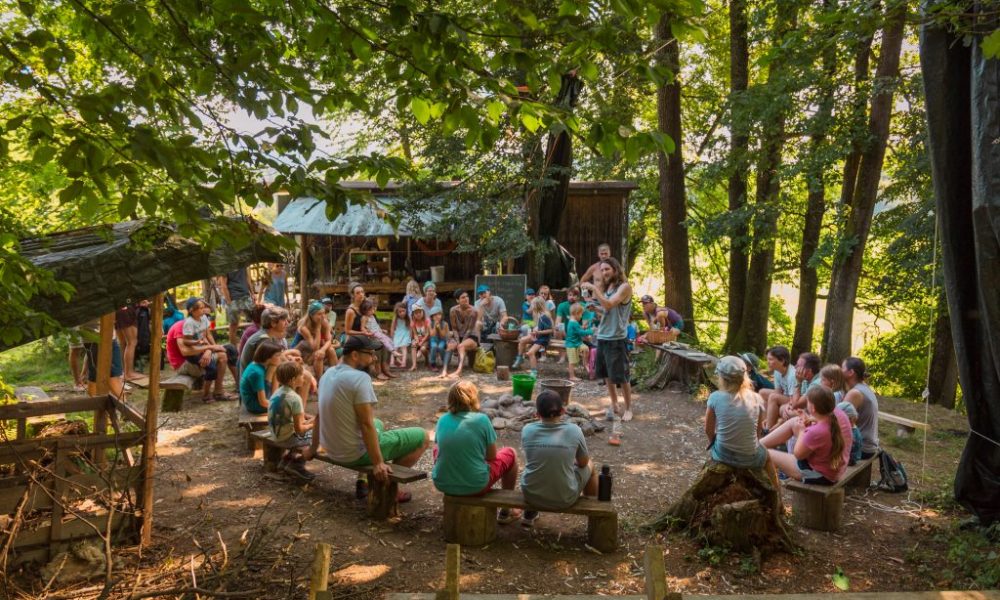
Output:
(604, 484)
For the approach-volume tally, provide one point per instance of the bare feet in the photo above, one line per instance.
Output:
(574, 378)
(382, 377)
(627, 416)
(414, 367)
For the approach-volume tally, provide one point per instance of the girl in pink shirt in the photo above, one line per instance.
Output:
(822, 442)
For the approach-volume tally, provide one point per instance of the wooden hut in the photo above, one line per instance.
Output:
(362, 244)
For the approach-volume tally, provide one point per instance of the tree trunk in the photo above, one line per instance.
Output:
(805, 315)
(752, 334)
(673, 198)
(942, 376)
(837, 327)
(739, 79)
(862, 61)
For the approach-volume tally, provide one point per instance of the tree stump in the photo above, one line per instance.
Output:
(671, 367)
(737, 508)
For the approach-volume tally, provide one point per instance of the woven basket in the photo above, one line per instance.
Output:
(510, 335)
(657, 337)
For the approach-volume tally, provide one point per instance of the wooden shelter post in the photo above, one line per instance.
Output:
(152, 417)
(303, 273)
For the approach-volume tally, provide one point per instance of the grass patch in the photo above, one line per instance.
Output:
(38, 363)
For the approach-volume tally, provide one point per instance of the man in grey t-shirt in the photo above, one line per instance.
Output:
(492, 312)
(346, 426)
(863, 399)
(557, 464)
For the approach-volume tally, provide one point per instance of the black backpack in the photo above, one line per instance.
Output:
(893, 474)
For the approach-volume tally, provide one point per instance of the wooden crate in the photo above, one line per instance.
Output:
(64, 489)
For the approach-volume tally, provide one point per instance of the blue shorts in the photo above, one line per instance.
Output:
(117, 368)
(210, 372)
(811, 476)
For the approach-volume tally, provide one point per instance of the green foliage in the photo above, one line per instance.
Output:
(779, 325)
(897, 361)
(972, 559)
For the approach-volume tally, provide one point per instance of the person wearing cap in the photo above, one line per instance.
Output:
(662, 318)
(204, 352)
(593, 272)
(614, 295)
(759, 381)
(346, 428)
(734, 418)
(529, 295)
(465, 338)
(492, 312)
(429, 302)
(331, 315)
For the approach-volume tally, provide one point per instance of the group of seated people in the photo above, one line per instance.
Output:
(811, 426)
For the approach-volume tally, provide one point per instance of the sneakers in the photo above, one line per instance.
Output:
(528, 518)
(298, 469)
(534, 373)
(361, 489)
(508, 515)
(517, 362)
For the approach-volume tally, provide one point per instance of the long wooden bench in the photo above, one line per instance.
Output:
(472, 520)
(250, 423)
(821, 506)
(904, 426)
(174, 388)
(382, 496)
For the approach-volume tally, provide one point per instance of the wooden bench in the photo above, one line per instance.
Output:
(904, 426)
(173, 391)
(472, 520)
(820, 506)
(382, 496)
(251, 422)
(32, 425)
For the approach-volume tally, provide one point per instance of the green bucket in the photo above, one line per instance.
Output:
(524, 384)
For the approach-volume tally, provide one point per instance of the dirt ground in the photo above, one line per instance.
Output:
(208, 488)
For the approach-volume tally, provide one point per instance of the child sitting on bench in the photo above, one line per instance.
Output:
(821, 451)
(852, 414)
(288, 420)
(557, 465)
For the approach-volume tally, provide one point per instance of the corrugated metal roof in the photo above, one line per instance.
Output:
(308, 216)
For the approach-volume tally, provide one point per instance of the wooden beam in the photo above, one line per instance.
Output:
(303, 273)
(319, 578)
(104, 354)
(452, 572)
(152, 417)
(656, 575)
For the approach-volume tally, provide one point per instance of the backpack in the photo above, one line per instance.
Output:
(893, 474)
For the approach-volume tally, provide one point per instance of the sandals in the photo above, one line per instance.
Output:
(224, 397)
(508, 515)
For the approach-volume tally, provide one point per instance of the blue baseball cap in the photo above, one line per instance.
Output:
(529, 292)
(482, 288)
(192, 302)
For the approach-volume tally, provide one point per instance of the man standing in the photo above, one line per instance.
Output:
(863, 399)
(463, 319)
(614, 295)
(492, 312)
(593, 272)
(346, 426)
(236, 291)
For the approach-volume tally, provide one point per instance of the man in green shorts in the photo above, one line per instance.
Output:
(346, 426)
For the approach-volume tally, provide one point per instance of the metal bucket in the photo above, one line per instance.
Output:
(437, 274)
(563, 387)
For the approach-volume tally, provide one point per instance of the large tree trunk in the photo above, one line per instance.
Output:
(862, 62)
(805, 315)
(837, 327)
(739, 80)
(752, 334)
(942, 376)
(673, 198)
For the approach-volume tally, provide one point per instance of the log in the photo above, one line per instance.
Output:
(671, 367)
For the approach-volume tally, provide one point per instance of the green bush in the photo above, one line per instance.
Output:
(897, 361)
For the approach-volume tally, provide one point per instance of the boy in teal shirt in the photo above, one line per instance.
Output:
(576, 352)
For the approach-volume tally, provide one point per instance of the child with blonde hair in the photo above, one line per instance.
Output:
(420, 332)
(538, 340)
(734, 418)
(832, 378)
(576, 351)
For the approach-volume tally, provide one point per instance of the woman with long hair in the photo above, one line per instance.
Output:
(314, 330)
(735, 417)
(822, 441)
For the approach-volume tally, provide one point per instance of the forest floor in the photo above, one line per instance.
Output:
(210, 492)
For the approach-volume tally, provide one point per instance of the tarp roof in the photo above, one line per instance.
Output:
(109, 270)
(308, 216)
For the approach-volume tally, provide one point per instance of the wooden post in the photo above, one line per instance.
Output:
(152, 417)
(104, 378)
(320, 575)
(452, 572)
(303, 273)
(656, 576)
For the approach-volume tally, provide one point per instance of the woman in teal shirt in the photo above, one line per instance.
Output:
(467, 461)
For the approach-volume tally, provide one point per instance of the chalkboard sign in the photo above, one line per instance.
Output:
(509, 287)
